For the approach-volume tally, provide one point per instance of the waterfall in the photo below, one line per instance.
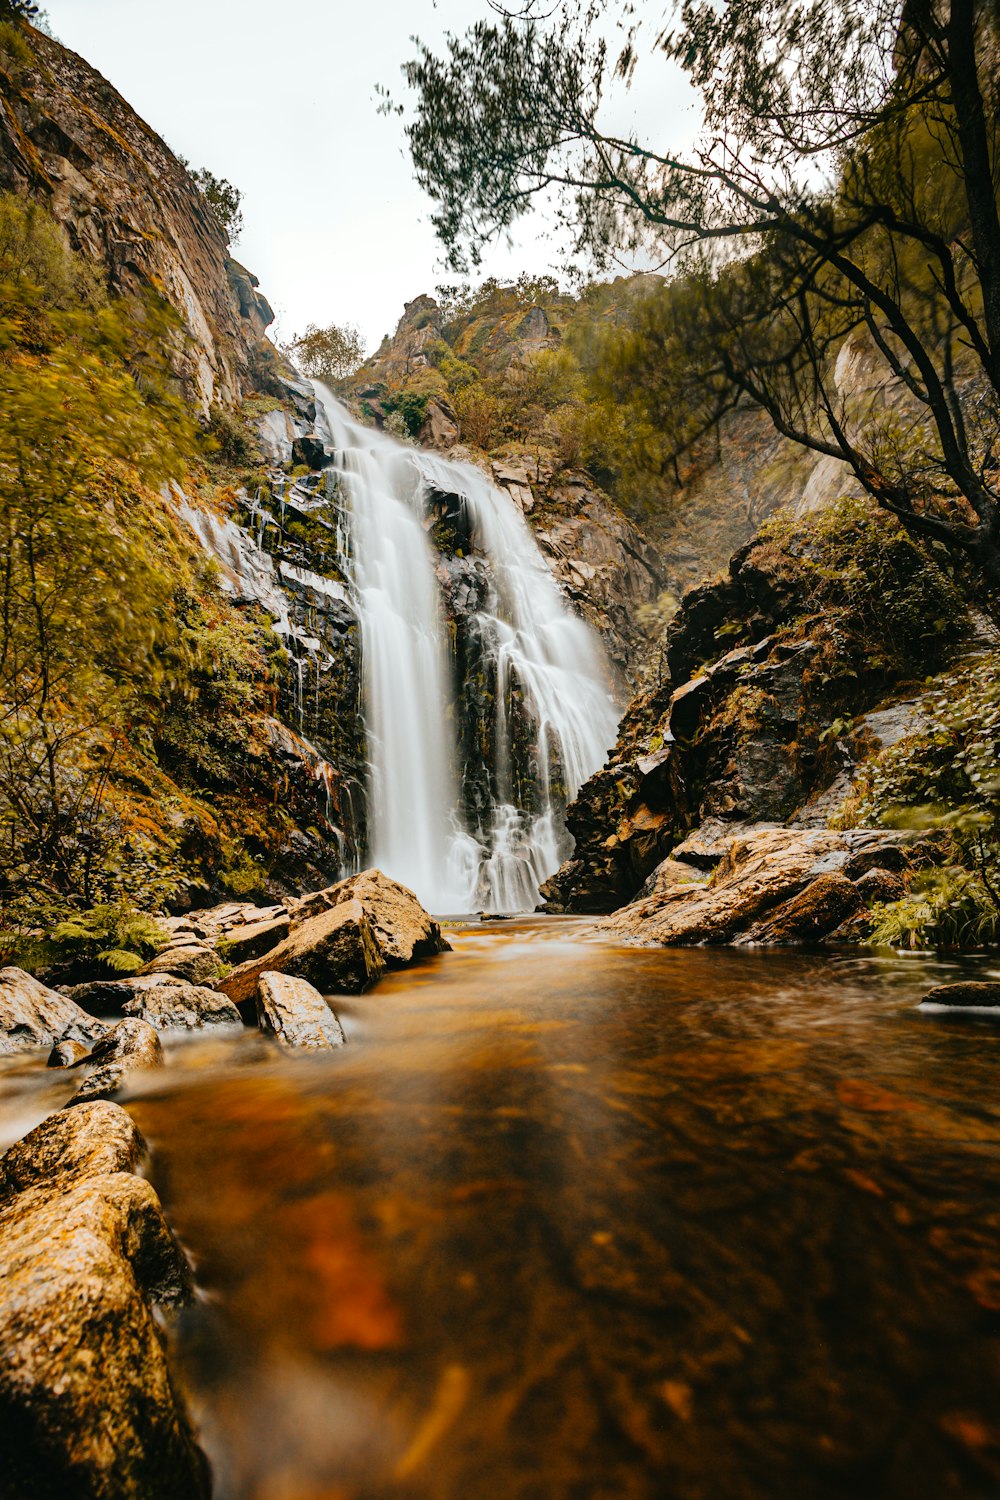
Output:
(462, 833)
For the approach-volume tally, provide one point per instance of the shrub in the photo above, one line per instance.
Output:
(115, 937)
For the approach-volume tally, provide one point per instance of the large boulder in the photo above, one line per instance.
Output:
(130, 1047)
(981, 995)
(32, 1015)
(195, 962)
(252, 939)
(88, 1406)
(187, 1007)
(335, 951)
(771, 885)
(403, 930)
(296, 1013)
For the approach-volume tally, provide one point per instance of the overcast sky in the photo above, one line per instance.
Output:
(280, 99)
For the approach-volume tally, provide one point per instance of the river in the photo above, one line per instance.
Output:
(567, 1220)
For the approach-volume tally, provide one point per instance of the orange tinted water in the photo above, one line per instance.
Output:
(571, 1220)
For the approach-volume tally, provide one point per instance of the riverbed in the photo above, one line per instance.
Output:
(567, 1219)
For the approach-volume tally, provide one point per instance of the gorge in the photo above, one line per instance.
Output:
(500, 835)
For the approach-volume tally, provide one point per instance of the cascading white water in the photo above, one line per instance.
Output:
(536, 649)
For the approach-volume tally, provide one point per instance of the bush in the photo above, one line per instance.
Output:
(116, 938)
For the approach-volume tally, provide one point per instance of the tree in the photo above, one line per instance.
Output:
(843, 191)
(328, 354)
(222, 197)
(19, 10)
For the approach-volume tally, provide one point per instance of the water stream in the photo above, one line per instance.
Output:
(566, 1221)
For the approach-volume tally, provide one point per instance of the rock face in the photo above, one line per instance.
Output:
(771, 885)
(32, 1015)
(69, 139)
(129, 1047)
(335, 951)
(88, 1406)
(296, 1013)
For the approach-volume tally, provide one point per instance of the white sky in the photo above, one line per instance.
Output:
(280, 99)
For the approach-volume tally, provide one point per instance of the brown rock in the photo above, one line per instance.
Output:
(195, 963)
(981, 995)
(32, 1015)
(823, 905)
(87, 1404)
(880, 885)
(335, 950)
(182, 1006)
(296, 1013)
(129, 1047)
(256, 938)
(402, 928)
(66, 1054)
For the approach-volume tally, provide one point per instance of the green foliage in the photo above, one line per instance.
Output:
(329, 354)
(115, 937)
(411, 408)
(224, 200)
(946, 908)
(229, 439)
(243, 876)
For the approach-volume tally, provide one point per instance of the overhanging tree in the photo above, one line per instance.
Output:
(842, 196)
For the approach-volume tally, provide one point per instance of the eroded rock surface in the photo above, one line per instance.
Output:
(88, 1406)
(771, 885)
(335, 951)
(296, 1013)
(129, 1047)
(32, 1015)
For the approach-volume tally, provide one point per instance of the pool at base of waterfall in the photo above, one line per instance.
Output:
(567, 1220)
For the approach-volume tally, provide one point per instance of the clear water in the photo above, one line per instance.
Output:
(570, 1220)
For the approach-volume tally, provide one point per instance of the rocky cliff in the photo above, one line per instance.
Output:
(70, 141)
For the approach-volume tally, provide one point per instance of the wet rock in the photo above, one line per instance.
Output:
(32, 1015)
(88, 1406)
(335, 950)
(969, 995)
(296, 1013)
(311, 451)
(129, 1047)
(256, 938)
(197, 963)
(752, 894)
(66, 1054)
(109, 997)
(819, 909)
(187, 1007)
(92, 1140)
(879, 885)
(402, 928)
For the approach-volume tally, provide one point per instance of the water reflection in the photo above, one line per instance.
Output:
(569, 1220)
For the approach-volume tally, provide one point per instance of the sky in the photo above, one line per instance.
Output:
(280, 99)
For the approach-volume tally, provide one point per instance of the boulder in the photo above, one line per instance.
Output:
(766, 887)
(256, 938)
(32, 1015)
(66, 1054)
(335, 950)
(969, 995)
(117, 997)
(296, 1013)
(822, 906)
(88, 1406)
(129, 1047)
(195, 962)
(403, 930)
(878, 885)
(185, 1007)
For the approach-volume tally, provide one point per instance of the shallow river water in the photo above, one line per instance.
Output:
(566, 1219)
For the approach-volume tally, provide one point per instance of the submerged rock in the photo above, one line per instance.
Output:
(66, 1054)
(335, 950)
(32, 1015)
(88, 1406)
(129, 1047)
(969, 995)
(296, 1013)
